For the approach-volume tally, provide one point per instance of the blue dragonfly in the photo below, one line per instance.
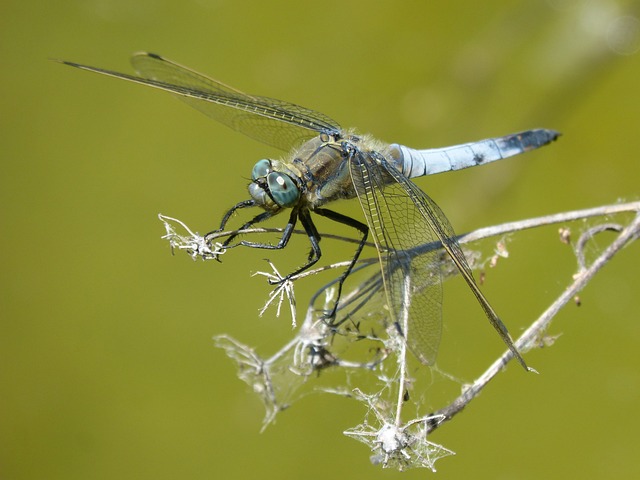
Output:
(326, 163)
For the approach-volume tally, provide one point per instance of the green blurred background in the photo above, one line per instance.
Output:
(106, 361)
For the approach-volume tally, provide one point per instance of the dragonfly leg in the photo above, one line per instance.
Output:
(303, 214)
(314, 238)
(312, 234)
(286, 233)
(227, 216)
(257, 219)
(364, 229)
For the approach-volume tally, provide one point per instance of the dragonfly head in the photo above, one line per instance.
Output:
(273, 186)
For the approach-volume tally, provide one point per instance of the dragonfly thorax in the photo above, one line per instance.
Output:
(323, 166)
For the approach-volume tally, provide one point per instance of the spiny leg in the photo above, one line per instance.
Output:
(286, 233)
(227, 216)
(309, 227)
(364, 229)
(257, 219)
(312, 233)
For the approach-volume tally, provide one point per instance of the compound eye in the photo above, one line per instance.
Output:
(261, 169)
(283, 189)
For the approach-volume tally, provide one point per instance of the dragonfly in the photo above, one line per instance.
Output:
(325, 163)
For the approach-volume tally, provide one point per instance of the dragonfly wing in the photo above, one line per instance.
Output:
(412, 282)
(424, 211)
(274, 122)
(268, 120)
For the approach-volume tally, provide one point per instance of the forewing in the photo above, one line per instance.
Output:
(412, 282)
(268, 120)
(274, 122)
(429, 214)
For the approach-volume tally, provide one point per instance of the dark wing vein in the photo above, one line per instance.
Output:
(428, 213)
(274, 122)
(412, 282)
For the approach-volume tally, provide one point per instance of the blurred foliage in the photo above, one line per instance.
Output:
(108, 368)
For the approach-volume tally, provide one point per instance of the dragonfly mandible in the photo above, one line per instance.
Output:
(326, 163)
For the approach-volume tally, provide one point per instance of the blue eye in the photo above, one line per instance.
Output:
(282, 188)
(261, 169)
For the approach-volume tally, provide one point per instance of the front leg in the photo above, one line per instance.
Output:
(227, 216)
(257, 219)
(286, 233)
(312, 235)
(314, 239)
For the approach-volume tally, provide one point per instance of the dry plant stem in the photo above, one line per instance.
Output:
(478, 234)
(571, 216)
(395, 442)
(530, 337)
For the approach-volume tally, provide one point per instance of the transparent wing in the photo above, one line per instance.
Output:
(402, 217)
(268, 120)
(422, 210)
(412, 283)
